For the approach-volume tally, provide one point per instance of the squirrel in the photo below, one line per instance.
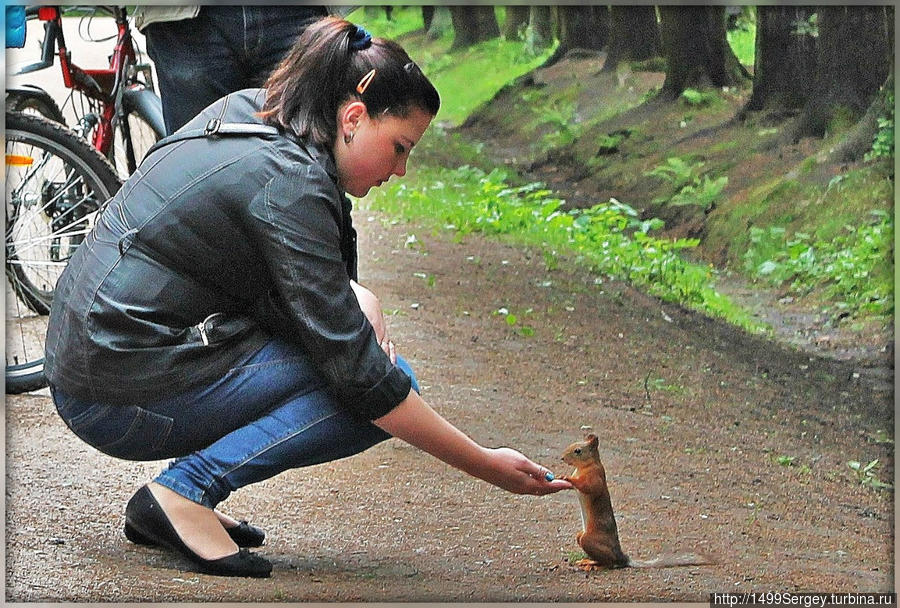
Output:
(599, 536)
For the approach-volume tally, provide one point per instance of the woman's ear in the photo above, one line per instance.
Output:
(350, 116)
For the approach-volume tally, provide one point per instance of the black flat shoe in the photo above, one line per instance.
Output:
(243, 535)
(144, 516)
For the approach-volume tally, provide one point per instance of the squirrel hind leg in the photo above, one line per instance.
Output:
(588, 565)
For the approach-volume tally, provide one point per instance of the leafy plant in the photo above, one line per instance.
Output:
(785, 461)
(865, 474)
(883, 144)
(513, 321)
(679, 172)
(848, 268)
(703, 192)
(688, 185)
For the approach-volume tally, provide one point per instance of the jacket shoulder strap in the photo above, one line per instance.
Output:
(216, 128)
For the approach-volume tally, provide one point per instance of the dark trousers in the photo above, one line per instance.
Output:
(222, 50)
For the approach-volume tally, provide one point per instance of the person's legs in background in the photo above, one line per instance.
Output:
(222, 50)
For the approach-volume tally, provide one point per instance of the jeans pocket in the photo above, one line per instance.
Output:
(127, 432)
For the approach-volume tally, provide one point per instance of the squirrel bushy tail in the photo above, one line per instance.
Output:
(671, 561)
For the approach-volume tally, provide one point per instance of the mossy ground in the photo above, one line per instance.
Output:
(618, 130)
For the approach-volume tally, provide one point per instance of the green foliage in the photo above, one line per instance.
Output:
(883, 144)
(678, 171)
(472, 76)
(689, 186)
(849, 267)
(704, 192)
(743, 41)
(555, 115)
(809, 27)
(865, 474)
(512, 320)
(609, 143)
(374, 18)
(699, 99)
(610, 238)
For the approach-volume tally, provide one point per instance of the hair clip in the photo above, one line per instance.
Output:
(360, 39)
(365, 81)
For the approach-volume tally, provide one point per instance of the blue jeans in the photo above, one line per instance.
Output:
(269, 414)
(222, 50)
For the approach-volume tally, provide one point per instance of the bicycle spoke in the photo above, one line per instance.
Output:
(56, 184)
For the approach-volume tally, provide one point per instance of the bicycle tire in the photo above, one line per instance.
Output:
(39, 103)
(56, 183)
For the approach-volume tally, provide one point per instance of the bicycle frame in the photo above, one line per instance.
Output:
(104, 85)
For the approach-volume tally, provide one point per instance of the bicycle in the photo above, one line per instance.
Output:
(56, 185)
(115, 107)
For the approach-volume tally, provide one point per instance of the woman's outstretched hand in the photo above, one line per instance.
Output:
(415, 422)
(514, 472)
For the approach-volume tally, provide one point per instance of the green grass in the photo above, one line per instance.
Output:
(465, 79)
(610, 239)
(374, 19)
(469, 78)
(743, 43)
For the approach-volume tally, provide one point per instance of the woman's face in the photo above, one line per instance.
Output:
(379, 149)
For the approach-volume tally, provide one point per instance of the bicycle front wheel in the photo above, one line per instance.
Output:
(55, 185)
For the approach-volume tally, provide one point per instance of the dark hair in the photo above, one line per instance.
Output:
(322, 71)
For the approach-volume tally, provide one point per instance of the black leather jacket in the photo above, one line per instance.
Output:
(211, 248)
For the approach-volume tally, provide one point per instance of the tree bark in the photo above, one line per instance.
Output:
(541, 21)
(859, 141)
(580, 27)
(516, 21)
(473, 24)
(854, 59)
(634, 35)
(697, 50)
(439, 23)
(427, 16)
(785, 62)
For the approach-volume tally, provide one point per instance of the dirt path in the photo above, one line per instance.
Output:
(712, 441)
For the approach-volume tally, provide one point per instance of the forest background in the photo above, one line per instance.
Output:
(736, 160)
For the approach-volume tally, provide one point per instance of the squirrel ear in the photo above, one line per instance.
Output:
(592, 439)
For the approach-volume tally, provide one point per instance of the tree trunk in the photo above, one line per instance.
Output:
(583, 27)
(634, 35)
(473, 24)
(427, 16)
(697, 50)
(580, 27)
(516, 22)
(785, 62)
(541, 22)
(855, 56)
(439, 23)
(859, 141)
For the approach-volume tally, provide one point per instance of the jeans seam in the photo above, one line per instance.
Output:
(191, 493)
(281, 440)
(263, 364)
